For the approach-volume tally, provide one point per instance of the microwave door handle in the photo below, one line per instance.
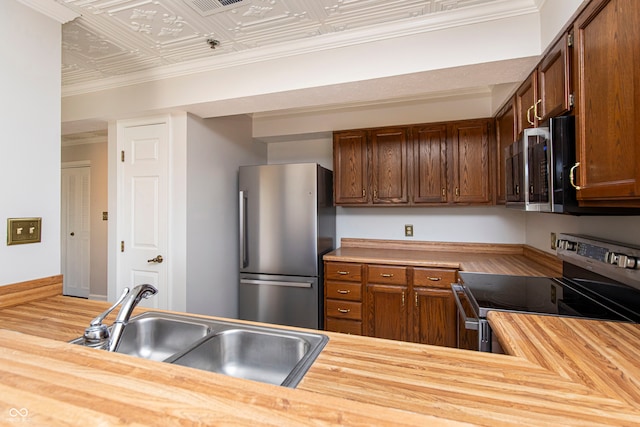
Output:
(468, 323)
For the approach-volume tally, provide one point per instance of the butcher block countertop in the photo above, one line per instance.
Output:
(562, 372)
(478, 257)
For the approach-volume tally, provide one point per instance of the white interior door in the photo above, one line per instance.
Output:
(75, 230)
(144, 212)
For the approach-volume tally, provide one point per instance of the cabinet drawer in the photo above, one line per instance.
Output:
(353, 327)
(387, 274)
(434, 277)
(344, 290)
(343, 271)
(344, 309)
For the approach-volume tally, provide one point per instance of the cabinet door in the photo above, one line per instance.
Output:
(553, 81)
(429, 164)
(471, 164)
(526, 98)
(350, 165)
(506, 133)
(387, 312)
(434, 317)
(608, 116)
(389, 165)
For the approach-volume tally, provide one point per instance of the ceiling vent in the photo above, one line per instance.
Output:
(210, 7)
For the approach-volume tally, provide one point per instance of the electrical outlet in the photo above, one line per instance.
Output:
(23, 230)
(408, 230)
(553, 241)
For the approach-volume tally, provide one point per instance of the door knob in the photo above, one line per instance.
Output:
(157, 259)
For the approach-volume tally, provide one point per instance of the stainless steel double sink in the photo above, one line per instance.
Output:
(260, 353)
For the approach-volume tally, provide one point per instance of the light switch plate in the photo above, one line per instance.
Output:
(23, 230)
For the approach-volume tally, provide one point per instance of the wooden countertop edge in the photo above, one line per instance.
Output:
(444, 255)
(23, 292)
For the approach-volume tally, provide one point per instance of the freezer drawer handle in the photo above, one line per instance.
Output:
(276, 283)
(468, 323)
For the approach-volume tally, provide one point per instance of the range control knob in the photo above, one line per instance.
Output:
(621, 260)
(566, 245)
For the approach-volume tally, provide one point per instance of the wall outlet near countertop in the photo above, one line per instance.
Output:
(408, 230)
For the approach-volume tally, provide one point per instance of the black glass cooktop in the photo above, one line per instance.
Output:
(554, 296)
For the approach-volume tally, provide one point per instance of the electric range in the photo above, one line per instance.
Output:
(600, 280)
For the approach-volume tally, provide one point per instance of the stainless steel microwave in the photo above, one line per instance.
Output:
(537, 168)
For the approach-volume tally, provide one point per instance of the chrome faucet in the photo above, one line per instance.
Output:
(97, 335)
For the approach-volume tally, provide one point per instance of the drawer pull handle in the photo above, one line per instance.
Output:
(343, 273)
(344, 310)
(435, 279)
(386, 274)
(344, 291)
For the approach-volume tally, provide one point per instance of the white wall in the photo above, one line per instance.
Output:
(554, 15)
(455, 224)
(30, 143)
(215, 150)
(625, 229)
(470, 105)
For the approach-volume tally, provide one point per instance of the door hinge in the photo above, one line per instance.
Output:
(122, 156)
(570, 40)
(572, 100)
(122, 246)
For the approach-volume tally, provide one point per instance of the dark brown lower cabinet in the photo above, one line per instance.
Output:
(434, 317)
(387, 312)
(411, 304)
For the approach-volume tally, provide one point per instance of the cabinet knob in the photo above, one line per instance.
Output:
(343, 273)
(386, 274)
(435, 279)
(344, 310)
(343, 291)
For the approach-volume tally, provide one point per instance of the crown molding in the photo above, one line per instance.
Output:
(53, 10)
(419, 25)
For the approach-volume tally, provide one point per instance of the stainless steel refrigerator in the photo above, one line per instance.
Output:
(287, 223)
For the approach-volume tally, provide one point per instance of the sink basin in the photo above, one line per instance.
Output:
(260, 353)
(252, 354)
(158, 338)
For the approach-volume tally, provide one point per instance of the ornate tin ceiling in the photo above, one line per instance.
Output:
(119, 37)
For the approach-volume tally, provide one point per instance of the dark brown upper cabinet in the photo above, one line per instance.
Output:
(608, 104)
(427, 164)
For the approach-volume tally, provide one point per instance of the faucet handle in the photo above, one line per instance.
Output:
(97, 334)
(98, 320)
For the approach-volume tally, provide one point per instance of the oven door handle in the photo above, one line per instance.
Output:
(469, 323)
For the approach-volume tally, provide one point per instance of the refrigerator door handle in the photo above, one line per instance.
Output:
(275, 283)
(243, 229)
